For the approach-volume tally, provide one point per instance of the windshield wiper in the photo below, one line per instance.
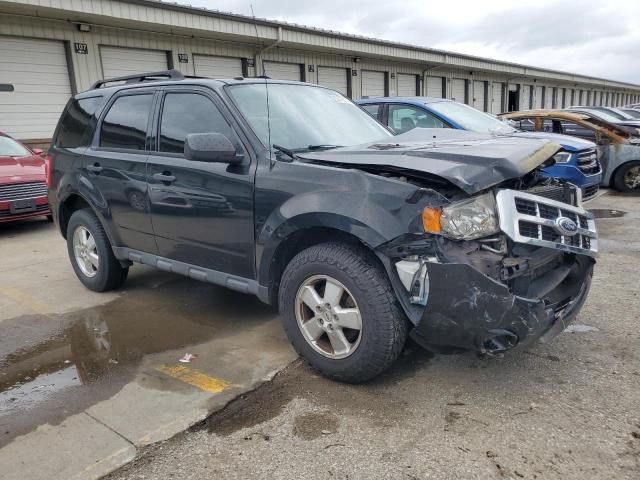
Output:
(320, 147)
(285, 150)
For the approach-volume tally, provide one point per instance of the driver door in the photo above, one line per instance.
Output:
(201, 212)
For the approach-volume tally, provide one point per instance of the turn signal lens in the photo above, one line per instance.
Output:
(48, 169)
(431, 219)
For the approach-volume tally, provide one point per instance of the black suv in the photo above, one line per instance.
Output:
(291, 192)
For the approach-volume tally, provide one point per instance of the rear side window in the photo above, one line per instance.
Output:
(185, 113)
(125, 125)
(75, 125)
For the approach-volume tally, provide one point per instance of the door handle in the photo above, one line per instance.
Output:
(165, 177)
(95, 168)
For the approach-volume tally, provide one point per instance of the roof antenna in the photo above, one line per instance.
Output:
(266, 85)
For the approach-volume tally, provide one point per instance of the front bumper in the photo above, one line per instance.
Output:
(468, 311)
(41, 208)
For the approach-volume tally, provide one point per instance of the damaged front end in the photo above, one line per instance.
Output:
(497, 270)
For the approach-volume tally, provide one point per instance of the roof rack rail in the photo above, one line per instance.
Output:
(141, 77)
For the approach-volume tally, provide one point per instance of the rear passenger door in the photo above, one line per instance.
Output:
(116, 163)
(202, 212)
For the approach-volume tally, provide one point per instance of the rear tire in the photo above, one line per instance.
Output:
(627, 177)
(365, 294)
(91, 254)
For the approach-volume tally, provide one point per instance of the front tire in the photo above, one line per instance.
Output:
(340, 312)
(627, 177)
(91, 254)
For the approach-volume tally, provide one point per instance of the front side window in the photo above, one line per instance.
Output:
(298, 117)
(404, 118)
(75, 126)
(125, 125)
(185, 113)
(372, 109)
(10, 148)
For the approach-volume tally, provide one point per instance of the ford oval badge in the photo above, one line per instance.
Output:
(566, 226)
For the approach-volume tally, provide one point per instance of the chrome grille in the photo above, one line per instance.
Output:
(22, 191)
(531, 219)
(588, 162)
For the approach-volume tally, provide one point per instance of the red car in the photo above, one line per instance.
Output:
(23, 188)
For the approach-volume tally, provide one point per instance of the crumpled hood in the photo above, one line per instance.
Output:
(471, 161)
(28, 167)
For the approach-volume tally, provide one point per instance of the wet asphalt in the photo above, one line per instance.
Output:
(563, 410)
(567, 409)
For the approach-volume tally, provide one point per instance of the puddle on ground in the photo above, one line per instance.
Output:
(607, 213)
(55, 366)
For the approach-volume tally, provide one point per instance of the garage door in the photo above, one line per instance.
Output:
(283, 71)
(217, 67)
(407, 85)
(38, 71)
(434, 87)
(537, 97)
(479, 95)
(334, 78)
(372, 84)
(496, 97)
(458, 90)
(117, 61)
(525, 98)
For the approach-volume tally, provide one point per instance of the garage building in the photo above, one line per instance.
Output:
(50, 50)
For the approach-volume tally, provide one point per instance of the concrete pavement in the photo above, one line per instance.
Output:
(86, 379)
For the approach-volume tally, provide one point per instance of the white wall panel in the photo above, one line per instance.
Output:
(283, 71)
(458, 90)
(216, 66)
(118, 61)
(372, 83)
(496, 98)
(38, 71)
(434, 87)
(334, 78)
(407, 85)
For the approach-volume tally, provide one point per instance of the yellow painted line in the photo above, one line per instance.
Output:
(197, 379)
(25, 300)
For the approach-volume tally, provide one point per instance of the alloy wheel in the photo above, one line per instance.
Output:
(328, 317)
(85, 251)
(632, 177)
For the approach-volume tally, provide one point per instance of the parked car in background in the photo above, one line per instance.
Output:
(577, 163)
(614, 112)
(619, 146)
(23, 189)
(607, 115)
(634, 112)
(359, 236)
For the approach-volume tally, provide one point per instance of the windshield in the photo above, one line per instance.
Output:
(303, 116)
(471, 119)
(10, 148)
(607, 117)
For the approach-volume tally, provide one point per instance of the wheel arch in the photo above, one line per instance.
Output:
(275, 260)
(72, 203)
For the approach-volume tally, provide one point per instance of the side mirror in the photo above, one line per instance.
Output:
(210, 147)
(37, 151)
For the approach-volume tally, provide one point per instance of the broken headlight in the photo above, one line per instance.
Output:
(562, 157)
(468, 219)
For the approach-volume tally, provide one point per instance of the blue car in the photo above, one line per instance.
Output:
(576, 163)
